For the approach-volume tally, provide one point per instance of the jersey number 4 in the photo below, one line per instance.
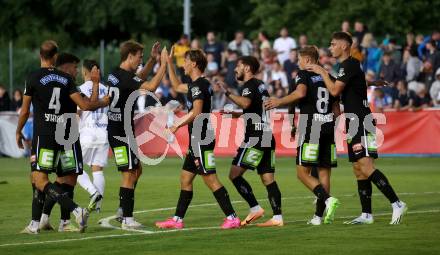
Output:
(322, 102)
(54, 103)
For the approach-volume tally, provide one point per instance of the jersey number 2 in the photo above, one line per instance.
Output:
(114, 93)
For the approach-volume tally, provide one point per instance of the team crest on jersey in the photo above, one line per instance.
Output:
(262, 88)
(195, 91)
(137, 79)
(316, 78)
(188, 104)
(341, 72)
(111, 78)
(245, 92)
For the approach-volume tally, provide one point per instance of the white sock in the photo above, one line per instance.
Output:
(86, 183)
(77, 211)
(177, 219)
(278, 217)
(64, 222)
(367, 215)
(44, 217)
(255, 209)
(231, 217)
(34, 224)
(128, 220)
(99, 181)
(396, 205)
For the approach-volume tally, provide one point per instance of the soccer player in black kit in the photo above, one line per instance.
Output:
(55, 98)
(316, 146)
(350, 84)
(122, 82)
(257, 151)
(200, 157)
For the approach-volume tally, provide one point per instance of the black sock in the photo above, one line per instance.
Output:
(224, 201)
(65, 213)
(314, 172)
(49, 202)
(37, 203)
(320, 207)
(183, 203)
(57, 194)
(126, 200)
(274, 195)
(245, 191)
(381, 182)
(320, 192)
(365, 190)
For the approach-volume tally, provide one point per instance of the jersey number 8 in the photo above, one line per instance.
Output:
(322, 102)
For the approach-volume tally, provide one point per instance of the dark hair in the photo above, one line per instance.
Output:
(310, 51)
(264, 34)
(66, 58)
(18, 90)
(88, 64)
(343, 36)
(130, 47)
(433, 43)
(48, 49)
(250, 61)
(198, 57)
(387, 53)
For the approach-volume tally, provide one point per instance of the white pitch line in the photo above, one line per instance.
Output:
(185, 229)
(105, 222)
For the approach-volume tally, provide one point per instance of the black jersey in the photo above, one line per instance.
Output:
(256, 91)
(121, 84)
(354, 95)
(317, 104)
(50, 90)
(200, 89)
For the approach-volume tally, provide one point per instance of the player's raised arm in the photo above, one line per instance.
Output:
(299, 93)
(335, 88)
(241, 101)
(154, 83)
(92, 103)
(189, 117)
(155, 51)
(176, 84)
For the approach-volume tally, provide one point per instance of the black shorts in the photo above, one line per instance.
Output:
(200, 159)
(320, 154)
(125, 158)
(48, 156)
(363, 144)
(256, 157)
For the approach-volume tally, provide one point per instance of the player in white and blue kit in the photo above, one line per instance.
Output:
(93, 139)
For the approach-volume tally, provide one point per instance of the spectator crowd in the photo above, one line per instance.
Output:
(411, 68)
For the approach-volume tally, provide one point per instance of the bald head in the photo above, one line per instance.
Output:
(48, 50)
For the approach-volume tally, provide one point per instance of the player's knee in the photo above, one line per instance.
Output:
(212, 182)
(233, 174)
(267, 179)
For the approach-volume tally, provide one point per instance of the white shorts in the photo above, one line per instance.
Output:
(95, 148)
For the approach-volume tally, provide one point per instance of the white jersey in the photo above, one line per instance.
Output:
(94, 119)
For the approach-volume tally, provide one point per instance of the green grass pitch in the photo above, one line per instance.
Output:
(417, 180)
